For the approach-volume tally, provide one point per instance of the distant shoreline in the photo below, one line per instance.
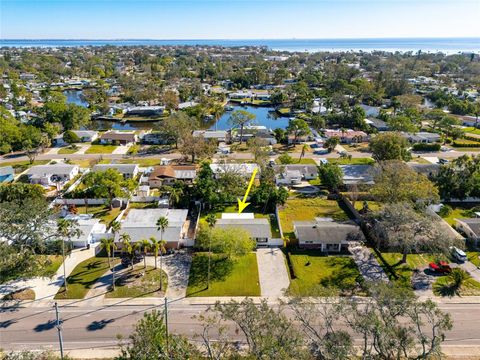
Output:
(430, 45)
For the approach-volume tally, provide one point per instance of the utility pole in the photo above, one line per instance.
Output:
(166, 323)
(59, 328)
(209, 260)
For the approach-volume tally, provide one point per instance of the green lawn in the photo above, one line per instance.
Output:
(83, 277)
(404, 271)
(68, 150)
(307, 208)
(474, 257)
(471, 130)
(303, 161)
(229, 277)
(100, 149)
(317, 274)
(372, 205)
(143, 162)
(459, 212)
(53, 262)
(100, 211)
(442, 287)
(133, 284)
(352, 161)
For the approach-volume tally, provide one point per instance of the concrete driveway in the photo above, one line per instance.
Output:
(272, 272)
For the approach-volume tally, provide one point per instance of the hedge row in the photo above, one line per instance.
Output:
(462, 144)
(426, 147)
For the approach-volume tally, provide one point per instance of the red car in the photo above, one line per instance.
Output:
(440, 267)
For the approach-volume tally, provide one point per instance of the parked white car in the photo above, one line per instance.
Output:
(458, 254)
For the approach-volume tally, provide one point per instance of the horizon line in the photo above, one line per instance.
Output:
(239, 39)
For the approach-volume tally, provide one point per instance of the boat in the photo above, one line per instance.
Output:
(229, 108)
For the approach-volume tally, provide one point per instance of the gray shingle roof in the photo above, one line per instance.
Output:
(6, 170)
(357, 174)
(258, 228)
(473, 224)
(326, 231)
(51, 169)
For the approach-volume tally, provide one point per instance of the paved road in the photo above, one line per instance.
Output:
(85, 328)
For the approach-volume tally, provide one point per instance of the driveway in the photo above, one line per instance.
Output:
(367, 263)
(122, 149)
(472, 269)
(272, 272)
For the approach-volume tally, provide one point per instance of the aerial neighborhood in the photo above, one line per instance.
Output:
(207, 174)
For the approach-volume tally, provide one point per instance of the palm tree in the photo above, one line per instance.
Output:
(127, 246)
(115, 227)
(211, 220)
(458, 277)
(302, 154)
(108, 245)
(162, 224)
(66, 229)
(155, 246)
(145, 245)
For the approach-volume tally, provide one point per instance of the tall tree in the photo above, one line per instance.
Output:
(240, 118)
(390, 146)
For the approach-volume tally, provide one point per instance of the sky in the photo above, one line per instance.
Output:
(237, 19)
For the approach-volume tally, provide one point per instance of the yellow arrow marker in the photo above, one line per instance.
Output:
(242, 204)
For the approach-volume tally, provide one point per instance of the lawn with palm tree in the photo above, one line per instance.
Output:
(139, 282)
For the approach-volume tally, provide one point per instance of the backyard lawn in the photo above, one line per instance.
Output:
(21, 166)
(352, 161)
(307, 208)
(317, 274)
(459, 212)
(100, 212)
(83, 277)
(404, 272)
(132, 283)
(100, 149)
(229, 277)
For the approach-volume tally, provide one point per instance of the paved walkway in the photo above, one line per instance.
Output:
(367, 263)
(53, 150)
(272, 272)
(471, 269)
(82, 149)
(46, 288)
(121, 150)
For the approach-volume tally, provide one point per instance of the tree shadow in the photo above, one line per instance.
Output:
(221, 267)
(7, 323)
(345, 278)
(99, 325)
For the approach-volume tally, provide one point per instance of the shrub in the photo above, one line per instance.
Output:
(426, 147)
(70, 137)
(464, 144)
(445, 210)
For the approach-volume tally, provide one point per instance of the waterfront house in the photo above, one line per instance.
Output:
(145, 111)
(218, 135)
(348, 136)
(422, 137)
(129, 171)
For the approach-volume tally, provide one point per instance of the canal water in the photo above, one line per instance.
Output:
(265, 116)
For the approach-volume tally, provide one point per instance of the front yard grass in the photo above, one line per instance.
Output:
(68, 150)
(442, 287)
(307, 208)
(142, 162)
(100, 149)
(20, 295)
(229, 277)
(316, 274)
(459, 212)
(139, 283)
(84, 276)
(52, 264)
(21, 166)
(392, 266)
(474, 257)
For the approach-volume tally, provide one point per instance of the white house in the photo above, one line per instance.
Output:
(244, 169)
(128, 171)
(50, 175)
(294, 174)
(91, 231)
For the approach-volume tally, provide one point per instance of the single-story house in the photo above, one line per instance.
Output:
(142, 224)
(7, 174)
(294, 173)
(422, 137)
(128, 171)
(348, 136)
(470, 227)
(168, 174)
(119, 137)
(218, 135)
(91, 231)
(83, 135)
(370, 111)
(145, 110)
(244, 169)
(378, 124)
(259, 229)
(154, 138)
(251, 131)
(187, 104)
(50, 175)
(357, 174)
(325, 234)
(429, 170)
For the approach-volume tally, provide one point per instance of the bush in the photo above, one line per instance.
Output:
(445, 210)
(285, 159)
(464, 144)
(426, 147)
(70, 137)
